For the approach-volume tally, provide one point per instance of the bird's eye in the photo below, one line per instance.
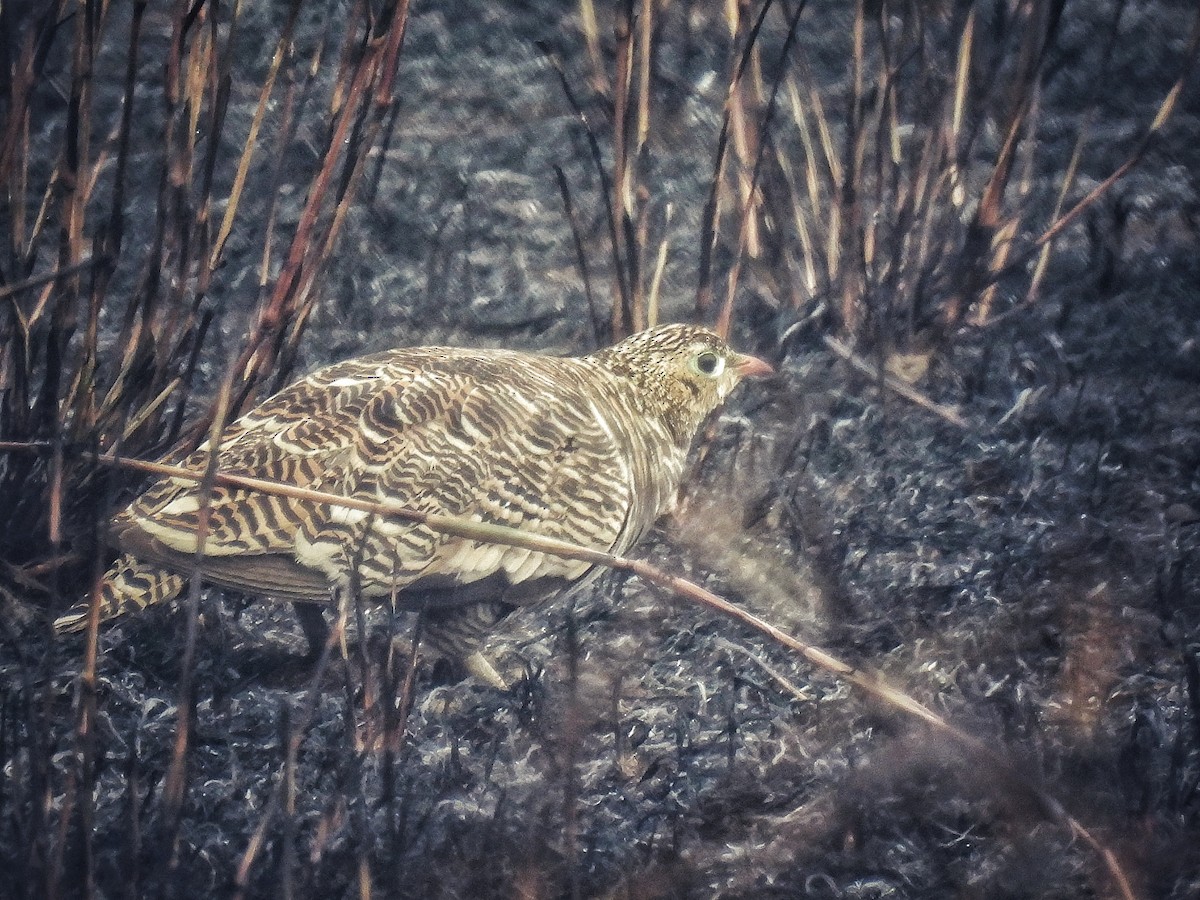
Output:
(708, 363)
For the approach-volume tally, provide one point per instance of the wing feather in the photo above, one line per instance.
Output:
(461, 433)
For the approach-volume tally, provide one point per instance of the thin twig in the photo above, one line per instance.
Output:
(46, 277)
(598, 331)
(905, 390)
(606, 187)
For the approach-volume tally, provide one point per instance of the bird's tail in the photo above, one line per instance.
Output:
(127, 585)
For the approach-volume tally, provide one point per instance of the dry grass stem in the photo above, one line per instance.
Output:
(892, 383)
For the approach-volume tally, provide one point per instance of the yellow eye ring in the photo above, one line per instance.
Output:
(708, 363)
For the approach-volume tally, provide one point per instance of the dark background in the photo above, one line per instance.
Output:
(1034, 576)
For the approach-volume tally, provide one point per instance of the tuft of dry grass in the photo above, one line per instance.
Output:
(116, 239)
(119, 218)
(904, 208)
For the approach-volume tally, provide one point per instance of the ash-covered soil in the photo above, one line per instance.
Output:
(1034, 576)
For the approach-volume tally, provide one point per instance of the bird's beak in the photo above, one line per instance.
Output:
(750, 366)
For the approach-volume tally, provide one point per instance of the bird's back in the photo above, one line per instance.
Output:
(548, 445)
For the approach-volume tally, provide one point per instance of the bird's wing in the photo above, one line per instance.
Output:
(301, 436)
(523, 447)
(487, 436)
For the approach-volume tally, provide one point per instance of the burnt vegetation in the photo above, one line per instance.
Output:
(965, 232)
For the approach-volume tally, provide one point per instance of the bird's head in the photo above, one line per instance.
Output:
(680, 373)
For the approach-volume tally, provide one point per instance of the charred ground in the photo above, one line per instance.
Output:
(1034, 576)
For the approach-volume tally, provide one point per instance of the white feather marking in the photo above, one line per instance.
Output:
(455, 441)
(372, 435)
(296, 449)
(321, 555)
(524, 402)
(626, 472)
(350, 381)
(389, 527)
(470, 428)
(488, 559)
(526, 569)
(188, 503)
(184, 542)
(252, 421)
(514, 559)
(345, 515)
(472, 561)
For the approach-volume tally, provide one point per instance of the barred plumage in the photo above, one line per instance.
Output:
(589, 450)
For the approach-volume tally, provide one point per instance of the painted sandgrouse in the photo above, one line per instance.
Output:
(589, 450)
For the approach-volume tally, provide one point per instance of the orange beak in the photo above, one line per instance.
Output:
(751, 366)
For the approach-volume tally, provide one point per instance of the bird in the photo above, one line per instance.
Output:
(589, 449)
